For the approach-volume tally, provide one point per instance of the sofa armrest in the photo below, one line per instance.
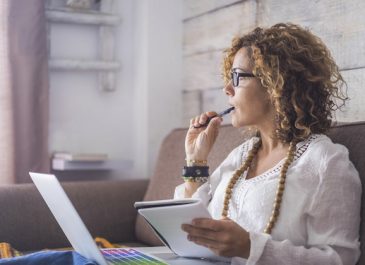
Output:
(106, 207)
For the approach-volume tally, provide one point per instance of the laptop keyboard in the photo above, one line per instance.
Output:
(123, 256)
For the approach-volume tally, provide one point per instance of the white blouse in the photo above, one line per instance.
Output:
(320, 213)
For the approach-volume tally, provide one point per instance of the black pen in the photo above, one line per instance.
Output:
(221, 114)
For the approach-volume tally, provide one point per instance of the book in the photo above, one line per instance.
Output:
(166, 217)
(62, 164)
(86, 157)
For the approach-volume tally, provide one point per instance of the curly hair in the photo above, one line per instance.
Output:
(299, 73)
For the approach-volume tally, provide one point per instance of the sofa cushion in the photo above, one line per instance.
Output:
(167, 174)
(171, 159)
(106, 207)
(352, 135)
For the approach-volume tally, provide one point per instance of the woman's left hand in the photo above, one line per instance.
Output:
(224, 237)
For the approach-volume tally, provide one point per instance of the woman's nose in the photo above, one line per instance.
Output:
(228, 89)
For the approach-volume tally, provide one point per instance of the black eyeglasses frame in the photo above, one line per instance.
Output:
(235, 76)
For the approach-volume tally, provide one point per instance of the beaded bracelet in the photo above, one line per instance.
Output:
(195, 179)
(196, 162)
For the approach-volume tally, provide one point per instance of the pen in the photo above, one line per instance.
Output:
(221, 114)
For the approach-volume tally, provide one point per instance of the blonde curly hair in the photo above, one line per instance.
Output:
(299, 73)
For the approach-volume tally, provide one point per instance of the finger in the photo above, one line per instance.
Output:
(211, 244)
(200, 232)
(214, 124)
(196, 121)
(211, 113)
(192, 122)
(203, 118)
(206, 223)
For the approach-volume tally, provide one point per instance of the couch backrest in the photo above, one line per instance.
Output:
(352, 135)
(27, 223)
(167, 174)
(171, 159)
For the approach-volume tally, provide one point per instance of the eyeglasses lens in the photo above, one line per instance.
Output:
(234, 77)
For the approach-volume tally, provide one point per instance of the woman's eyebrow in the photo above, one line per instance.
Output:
(240, 70)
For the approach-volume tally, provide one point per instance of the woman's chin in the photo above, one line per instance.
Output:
(237, 123)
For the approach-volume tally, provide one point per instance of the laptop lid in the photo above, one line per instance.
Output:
(67, 216)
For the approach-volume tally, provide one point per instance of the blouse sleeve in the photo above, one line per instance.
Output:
(333, 220)
(206, 191)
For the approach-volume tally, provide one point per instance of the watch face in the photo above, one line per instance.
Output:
(198, 172)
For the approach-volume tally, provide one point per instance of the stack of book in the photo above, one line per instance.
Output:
(81, 161)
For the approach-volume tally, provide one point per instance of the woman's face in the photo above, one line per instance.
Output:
(250, 99)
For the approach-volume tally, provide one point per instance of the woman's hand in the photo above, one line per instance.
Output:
(224, 237)
(199, 141)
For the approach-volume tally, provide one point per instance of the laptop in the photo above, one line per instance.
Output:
(76, 231)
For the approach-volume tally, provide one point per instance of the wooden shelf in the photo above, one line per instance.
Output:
(83, 65)
(102, 18)
(62, 165)
(82, 18)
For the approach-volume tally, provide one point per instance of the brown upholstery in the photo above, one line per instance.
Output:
(352, 136)
(107, 207)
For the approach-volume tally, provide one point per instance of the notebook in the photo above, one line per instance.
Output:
(166, 218)
(76, 231)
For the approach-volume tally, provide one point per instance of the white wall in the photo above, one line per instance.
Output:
(158, 44)
(130, 122)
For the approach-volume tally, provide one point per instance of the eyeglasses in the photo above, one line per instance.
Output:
(235, 76)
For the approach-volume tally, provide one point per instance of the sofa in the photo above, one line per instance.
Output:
(106, 207)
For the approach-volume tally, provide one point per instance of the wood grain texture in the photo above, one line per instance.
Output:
(214, 31)
(193, 8)
(82, 65)
(354, 110)
(340, 24)
(191, 106)
(82, 18)
(203, 71)
(215, 100)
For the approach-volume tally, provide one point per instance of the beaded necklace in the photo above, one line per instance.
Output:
(280, 189)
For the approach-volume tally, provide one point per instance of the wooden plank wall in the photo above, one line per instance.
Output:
(209, 26)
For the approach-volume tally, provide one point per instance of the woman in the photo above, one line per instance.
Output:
(288, 195)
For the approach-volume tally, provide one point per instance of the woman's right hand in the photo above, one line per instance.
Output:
(199, 141)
